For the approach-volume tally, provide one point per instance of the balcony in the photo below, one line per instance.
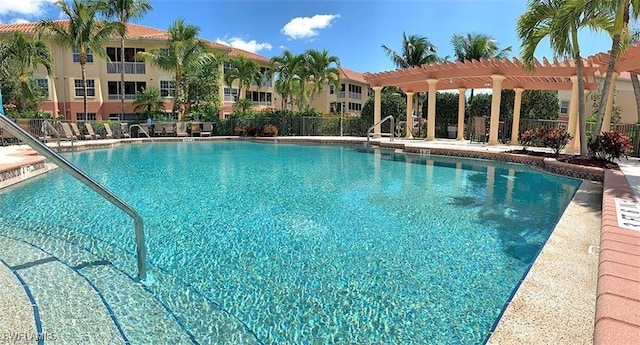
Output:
(117, 97)
(262, 103)
(129, 67)
(341, 94)
(355, 95)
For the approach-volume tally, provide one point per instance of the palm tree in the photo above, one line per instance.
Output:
(20, 58)
(320, 68)
(619, 31)
(559, 21)
(416, 51)
(473, 46)
(148, 100)
(245, 71)
(125, 11)
(184, 52)
(82, 31)
(287, 67)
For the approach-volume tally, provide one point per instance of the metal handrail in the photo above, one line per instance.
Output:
(65, 165)
(142, 129)
(393, 125)
(46, 124)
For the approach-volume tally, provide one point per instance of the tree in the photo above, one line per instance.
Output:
(124, 11)
(559, 20)
(245, 71)
(616, 15)
(148, 101)
(474, 46)
(416, 51)
(596, 96)
(390, 104)
(21, 57)
(287, 67)
(184, 52)
(202, 92)
(82, 31)
(320, 68)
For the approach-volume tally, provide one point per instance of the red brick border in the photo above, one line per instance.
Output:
(618, 295)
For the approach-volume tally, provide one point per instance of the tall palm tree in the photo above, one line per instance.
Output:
(287, 67)
(416, 51)
(21, 57)
(321, 68)
(474, 46)
(124, 11)
(184, 52)
(83, 31)
(245, 71)
(559, 20)
(620, 10)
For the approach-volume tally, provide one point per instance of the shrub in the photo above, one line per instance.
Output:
(251, 131)
(240, 130)
(527, 138)
(269, 130)
(556, 139)
(610, 145)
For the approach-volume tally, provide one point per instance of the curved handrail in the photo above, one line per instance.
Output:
(393, 125)
(65, 165)
(142, 129)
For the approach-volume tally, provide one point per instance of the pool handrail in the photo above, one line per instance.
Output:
(393, 120)
(141, 129)
(46, 124)
(72, 170)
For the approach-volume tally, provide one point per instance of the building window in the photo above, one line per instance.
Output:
(356, 107)
(90, 117)
(370, 92)
(355, 91)
(129, 54)
(76, 55)
(43, 86)
(167, 88)
(260, 98)
(131, 88)
(564, 107)
(341, 94)
(91, 88)
(227, 67)
(230, 94)
(332, 89)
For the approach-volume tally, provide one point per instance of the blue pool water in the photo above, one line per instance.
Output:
(316, 244)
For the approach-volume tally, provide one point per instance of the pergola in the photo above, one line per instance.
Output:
(494, 73)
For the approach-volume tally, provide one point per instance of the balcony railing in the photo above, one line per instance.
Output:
(129, 67)
(355, 95)
(266, 103)
(341, 94)
(126, 96)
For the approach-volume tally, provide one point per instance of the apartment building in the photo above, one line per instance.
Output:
(64, 91)
(349, 98)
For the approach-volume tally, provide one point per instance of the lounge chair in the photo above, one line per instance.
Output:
(479, 129)
(143, 131)
(77, 133)
(207, 128)
(181, 130)
(92, 134)
(67, 131)
(7, 138)
(157, 129)
(195, 129)
(170, 129)
(124, 128)
(107, 128)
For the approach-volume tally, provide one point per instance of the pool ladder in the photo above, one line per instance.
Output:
(143, 131)
(34, 143)
(390, 135)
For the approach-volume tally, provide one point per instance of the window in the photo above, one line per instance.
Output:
(230, 95)
(260, 98)
(370, 92)
(355, 91)
(129, 54)
(167, 88)
(131, 88)
(227, 67)
(342, 92)
(564, 107)
(91, 88)
(43, 86)
(90, 117)
(76, 55)
(355, 106)
(331, 89)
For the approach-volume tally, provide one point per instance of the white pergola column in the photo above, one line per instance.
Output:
(606, 120)
(377, 109)
(431, 110)
(495, 108)
(462, 101)
(409, 114)
(573, 115)
(515, 126)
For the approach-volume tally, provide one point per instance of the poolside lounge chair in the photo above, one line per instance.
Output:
(479, 129)
(92, 134)
(67, 131)
(181, 130)
(195, 129)
(158, 129)
(7, 138)
(124, 128)
(107, 128)
(77, 133)
(143, 131)
(207, 128)
(170, 129)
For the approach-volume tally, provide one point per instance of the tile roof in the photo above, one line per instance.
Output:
(249, 55)
(352, 75)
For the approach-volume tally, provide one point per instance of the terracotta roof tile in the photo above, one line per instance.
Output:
(249, 55)
(352, 75)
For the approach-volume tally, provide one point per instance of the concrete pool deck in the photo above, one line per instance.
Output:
(555, 303)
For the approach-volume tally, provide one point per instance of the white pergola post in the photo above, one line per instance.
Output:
(409, 114)
(515, 126)
(377, 109)
(431, 110)
(462, 101)
(494, 122)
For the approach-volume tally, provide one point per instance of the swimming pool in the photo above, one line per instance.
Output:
(306, 244)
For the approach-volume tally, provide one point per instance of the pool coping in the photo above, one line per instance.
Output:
(607, 317)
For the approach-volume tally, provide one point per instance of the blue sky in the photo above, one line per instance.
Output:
(352, 30)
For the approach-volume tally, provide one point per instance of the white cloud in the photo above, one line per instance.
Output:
(24, 7)
(19, 21)
(251, 46)
(282, 47)
(303, 27)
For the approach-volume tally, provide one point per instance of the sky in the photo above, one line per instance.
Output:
(352, 30)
